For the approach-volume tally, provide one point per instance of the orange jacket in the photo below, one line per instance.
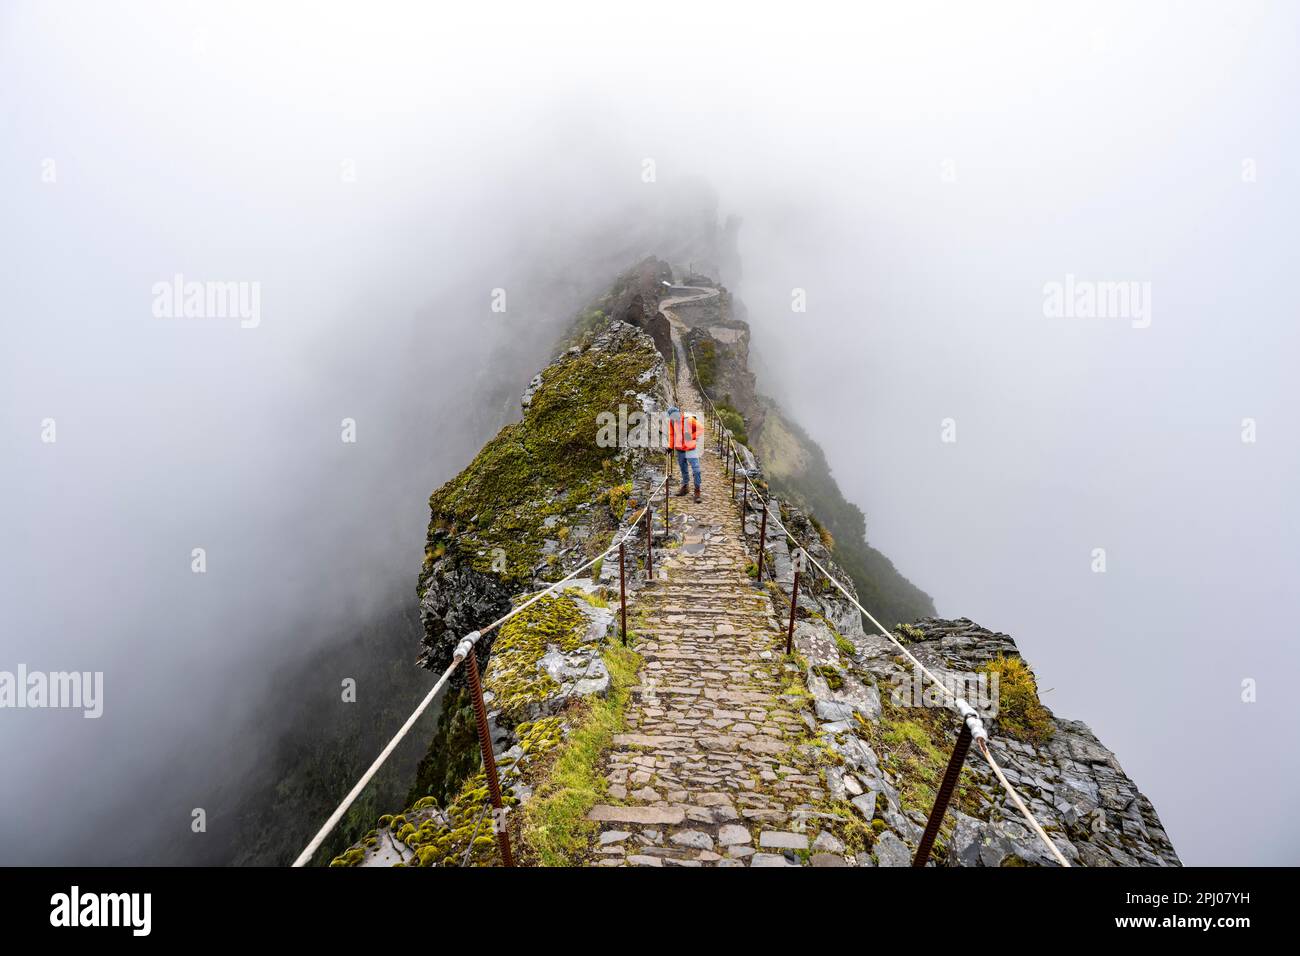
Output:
(679, 440)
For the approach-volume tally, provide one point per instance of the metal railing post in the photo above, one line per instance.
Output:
(762, 543)
(489, 759)
(667, 493)
(649, 541)
(944, 795)
(733, 476)
(622, 588)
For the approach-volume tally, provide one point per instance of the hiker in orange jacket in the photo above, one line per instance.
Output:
(683, 438)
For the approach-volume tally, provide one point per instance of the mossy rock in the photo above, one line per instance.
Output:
(1021, 715)
(513, 677)
(549, 464)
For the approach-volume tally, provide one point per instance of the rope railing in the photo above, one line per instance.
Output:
(459, 655)
(972, 726)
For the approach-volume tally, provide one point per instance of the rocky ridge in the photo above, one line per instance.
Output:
(728, 751)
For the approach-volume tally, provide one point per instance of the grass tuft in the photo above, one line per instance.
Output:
(555, 827)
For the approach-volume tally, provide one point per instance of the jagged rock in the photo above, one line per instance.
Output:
(526, 399)
(833, 709)
(828, 842)
(891, 851)
(458, 599)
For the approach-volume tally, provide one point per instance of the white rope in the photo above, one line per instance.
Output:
(310, 850)
(884, 632)
(305, 856)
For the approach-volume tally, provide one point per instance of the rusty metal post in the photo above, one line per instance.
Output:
(649, 541)
(622, 588)
(794, 601)
(489, 760)
(944, 795)
(667, 491)
(762, 543)
(733, 475)
(745, 504)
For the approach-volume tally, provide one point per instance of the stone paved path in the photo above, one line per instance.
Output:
(714, 768)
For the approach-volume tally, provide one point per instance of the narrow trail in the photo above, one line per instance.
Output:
(714, 768)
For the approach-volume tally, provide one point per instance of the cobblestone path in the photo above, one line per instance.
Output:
(715, 766)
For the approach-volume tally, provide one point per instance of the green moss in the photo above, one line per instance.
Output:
(513, 676)
(732, 420)
(595, 600)
(831, 675)
(547, 465)
(1020, 713)
(351, 857)
(827, 539)
(908, 633)
(556, 830)
(437, 845)
(847, 824)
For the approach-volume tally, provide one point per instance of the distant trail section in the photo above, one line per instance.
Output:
(679, 297)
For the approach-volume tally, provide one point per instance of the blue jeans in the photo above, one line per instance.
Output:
(695, 467)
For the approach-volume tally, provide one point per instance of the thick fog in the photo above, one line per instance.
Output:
(922, 175)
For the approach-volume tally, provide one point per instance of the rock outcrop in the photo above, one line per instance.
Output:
(542, 494)
(892, 736)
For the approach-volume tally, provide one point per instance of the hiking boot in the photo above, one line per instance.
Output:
(697, 494)
(682, 490)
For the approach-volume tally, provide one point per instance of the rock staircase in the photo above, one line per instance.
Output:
(716, 765)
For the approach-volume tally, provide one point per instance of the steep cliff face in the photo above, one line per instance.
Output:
(1074, 785)
(891, 736)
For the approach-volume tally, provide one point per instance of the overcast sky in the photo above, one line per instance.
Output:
(922, 172)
